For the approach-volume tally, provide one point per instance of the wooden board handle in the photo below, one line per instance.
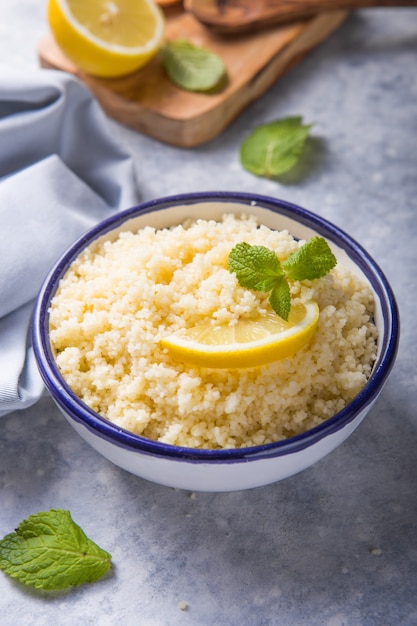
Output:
(228, 16)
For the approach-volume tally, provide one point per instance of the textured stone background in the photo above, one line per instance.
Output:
(335, 545)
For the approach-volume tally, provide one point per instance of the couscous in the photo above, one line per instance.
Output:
(118, 300)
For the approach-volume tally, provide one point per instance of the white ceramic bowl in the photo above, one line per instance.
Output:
(219, 470)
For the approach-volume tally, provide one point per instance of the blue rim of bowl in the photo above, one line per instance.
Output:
(73, 407)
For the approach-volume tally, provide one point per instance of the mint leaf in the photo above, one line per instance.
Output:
(256, 267)
(191, 67)
(313, 260)
(274, 148)
(50, 551)
(280, 298)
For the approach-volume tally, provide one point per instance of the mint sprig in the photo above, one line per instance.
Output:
(258, 268)
(50, 551)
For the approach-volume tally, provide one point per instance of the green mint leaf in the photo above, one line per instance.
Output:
(280, 298)
(50, 551)
(191, 67)
(274, 148)
(313, 260)
(256, 267)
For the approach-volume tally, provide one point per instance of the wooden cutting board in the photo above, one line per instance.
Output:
(148, 102)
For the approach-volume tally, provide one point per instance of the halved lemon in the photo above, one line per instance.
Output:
(107, 38)
(249, 343)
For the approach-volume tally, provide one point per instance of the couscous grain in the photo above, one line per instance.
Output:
(117, 301)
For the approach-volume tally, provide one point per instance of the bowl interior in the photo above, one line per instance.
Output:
(273, 213)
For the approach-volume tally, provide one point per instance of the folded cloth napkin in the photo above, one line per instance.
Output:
(60, 172)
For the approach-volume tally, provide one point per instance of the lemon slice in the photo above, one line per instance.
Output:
(107, 37)
(249, 343)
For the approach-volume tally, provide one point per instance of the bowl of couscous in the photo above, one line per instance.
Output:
(136, 335)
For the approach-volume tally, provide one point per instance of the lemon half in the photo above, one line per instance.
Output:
(249, 343)
(107, 38)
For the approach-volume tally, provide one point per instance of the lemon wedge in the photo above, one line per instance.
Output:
(249, 343)
(107, 38)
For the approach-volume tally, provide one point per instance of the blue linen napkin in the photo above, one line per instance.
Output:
(60, 172)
